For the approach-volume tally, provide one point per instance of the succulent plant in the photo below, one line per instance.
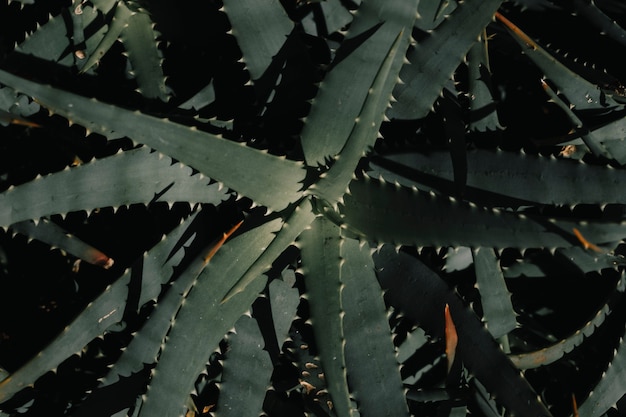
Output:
(332, 208)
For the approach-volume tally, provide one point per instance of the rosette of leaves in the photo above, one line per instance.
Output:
(327, 208)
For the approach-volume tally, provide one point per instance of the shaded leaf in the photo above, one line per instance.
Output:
(407, 279)
(96, 318)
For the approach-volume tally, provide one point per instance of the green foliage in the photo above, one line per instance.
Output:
(335, 130)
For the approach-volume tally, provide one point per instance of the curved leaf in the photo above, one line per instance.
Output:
(434, 59)
(556, 351)
(203, 320)
(145, 346)
(99, 315)
(610, 388)
(247, 368)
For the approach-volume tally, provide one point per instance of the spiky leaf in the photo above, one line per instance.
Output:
(237, 166)
(91, 185)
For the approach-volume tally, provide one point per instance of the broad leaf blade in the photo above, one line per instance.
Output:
(373, 371)
(538, 179)
(320, 249)
(146, 344)
(269, 180)
(136, 176)
(384, 212)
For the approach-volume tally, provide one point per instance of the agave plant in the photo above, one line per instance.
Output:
(321, 208)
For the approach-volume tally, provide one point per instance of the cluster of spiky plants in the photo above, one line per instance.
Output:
(374, 207)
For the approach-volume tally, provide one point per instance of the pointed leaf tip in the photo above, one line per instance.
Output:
(451, 337)
(221, 242)
(586, 244)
